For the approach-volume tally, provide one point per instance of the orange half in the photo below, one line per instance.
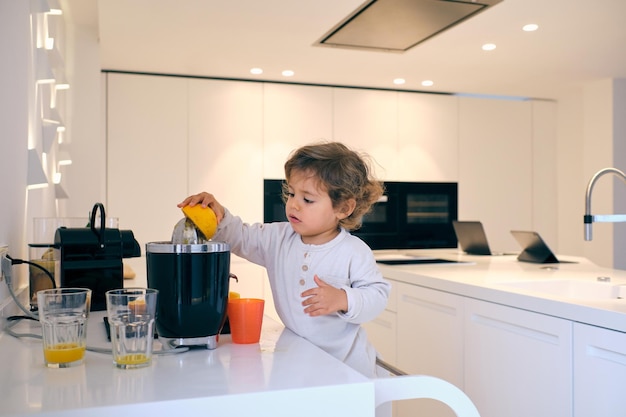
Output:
(203, 218)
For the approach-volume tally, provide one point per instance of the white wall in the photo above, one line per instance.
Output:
(597, 154)
(619, 160)
(86, 177)
(571, 179)
(591, 131)
(14, 105)
(21, 128)
(604, 107)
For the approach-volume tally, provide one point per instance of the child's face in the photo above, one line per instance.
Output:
(310, 211)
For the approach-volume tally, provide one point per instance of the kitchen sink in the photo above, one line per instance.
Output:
(572, 288)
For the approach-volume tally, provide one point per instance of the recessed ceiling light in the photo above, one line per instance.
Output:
(427, 83)
(256, 71)
(489, 47)
(531, 27)
(399, 81)
(288, 73)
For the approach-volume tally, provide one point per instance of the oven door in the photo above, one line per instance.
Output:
(273, 204)
(428, 211)
(381, 225)
(412, 215)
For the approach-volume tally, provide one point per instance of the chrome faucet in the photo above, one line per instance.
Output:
(608, 218)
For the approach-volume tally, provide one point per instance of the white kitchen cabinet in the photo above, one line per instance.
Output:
(293, 116)
(496, 167)
(382, 333)
(599, 372)
(225, 148)
(430, 342)
(544, 175)
(367, 120)
(226, 144)
(428, 138)
(146, 153)
(517, 362)
(382, 330)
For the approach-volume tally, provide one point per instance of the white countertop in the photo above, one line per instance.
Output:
(283, 375)
(486, 278)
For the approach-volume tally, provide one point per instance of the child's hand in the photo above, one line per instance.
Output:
(324, 299)
(206, 200)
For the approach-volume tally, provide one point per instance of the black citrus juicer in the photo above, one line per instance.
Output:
(192, 275)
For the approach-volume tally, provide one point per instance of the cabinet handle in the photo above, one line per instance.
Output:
(607, 355)
(442, 308)
(514, 328)
(384, 323)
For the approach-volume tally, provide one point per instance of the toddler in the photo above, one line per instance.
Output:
(325, 282)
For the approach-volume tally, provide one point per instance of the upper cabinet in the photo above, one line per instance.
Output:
(410, 136)
(367, 120)
(293, 115)
(428, 144)
(184, 135)
(225, 144)
(496, 166)
(543, 170)
(147, 149)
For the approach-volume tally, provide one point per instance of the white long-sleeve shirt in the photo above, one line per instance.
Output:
(345, 262)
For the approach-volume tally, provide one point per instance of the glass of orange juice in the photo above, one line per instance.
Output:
(63, 315)
(131, 313)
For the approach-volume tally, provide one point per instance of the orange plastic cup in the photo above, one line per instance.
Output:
(245, 316)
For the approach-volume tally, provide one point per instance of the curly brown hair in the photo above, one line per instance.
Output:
(343, 173)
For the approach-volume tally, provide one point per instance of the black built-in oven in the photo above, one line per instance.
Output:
(410, 215)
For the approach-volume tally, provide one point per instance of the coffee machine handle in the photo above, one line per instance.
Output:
(100, 233)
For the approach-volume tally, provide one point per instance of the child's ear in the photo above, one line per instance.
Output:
(347, 208)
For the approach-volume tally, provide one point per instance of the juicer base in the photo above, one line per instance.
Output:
(169, 343)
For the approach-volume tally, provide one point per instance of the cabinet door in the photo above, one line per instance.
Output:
(599, 372)
(366, 120)
(382, 333)
(226, 145)
(430, 342)
(496, 166)
(517, 363)
(428, 144)
(146, 153)
(293, 115)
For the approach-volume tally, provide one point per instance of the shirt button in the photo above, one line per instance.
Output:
(302, 282)
(305, 267)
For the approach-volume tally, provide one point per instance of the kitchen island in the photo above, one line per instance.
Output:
(592, 294)
(519, 338)
(283, 375)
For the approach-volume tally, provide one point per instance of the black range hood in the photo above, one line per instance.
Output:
(399, 25)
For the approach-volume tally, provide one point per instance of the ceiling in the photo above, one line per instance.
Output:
(578, 41)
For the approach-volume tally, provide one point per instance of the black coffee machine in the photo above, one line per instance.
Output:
(91, 257)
